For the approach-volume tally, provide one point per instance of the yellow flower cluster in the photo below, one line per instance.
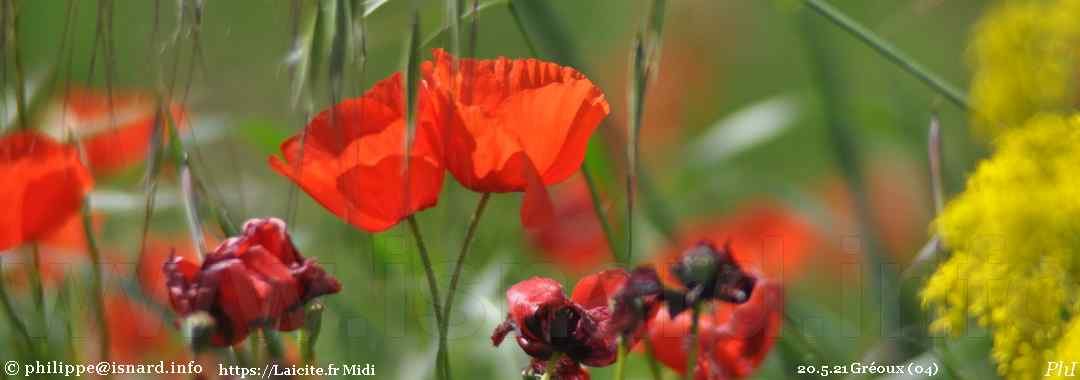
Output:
(1025, 59)
(1015, 241)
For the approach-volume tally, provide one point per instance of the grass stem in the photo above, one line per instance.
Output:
(889, 51)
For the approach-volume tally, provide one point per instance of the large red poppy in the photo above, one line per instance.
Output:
(44, 185)
(733, 339)
(115, 134)
(353, 157)
(547, 322)
(518, 125)
(255, 279)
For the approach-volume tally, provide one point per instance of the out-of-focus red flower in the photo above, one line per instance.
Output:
(135, 331)
(733, 340)
(44, 185)
(574, 239)
(90, 115)
(763, 236)
(255, 279)
(547, 322)
(899, 204)
(353, 157)
(518, 125)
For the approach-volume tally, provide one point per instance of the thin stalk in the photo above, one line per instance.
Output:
(654, 367)
(458, 266)
(889, 51)
(273, 345)
(594, 194)
(95, 280)
(620, 359)
(13, 317)
(433, 288)
(691, 359)
(20, 78)
(552, 364)
(37, 286)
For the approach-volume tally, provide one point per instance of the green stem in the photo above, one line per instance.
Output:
(691, 359)
(20, 78)
(552, 365)
(95, 279)
(620, 359)
(442, 365)
(273, 344)
(889, 51)
(654, 367)
(456, 276)
(594, 194)
(37, 286)
(13, 317)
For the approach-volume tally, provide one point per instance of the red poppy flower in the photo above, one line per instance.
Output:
(574, 239)
(733, 339)
(90, 115)
(44, 186)
(547, 322)
(255, 279)
(353, 157)
(518, 125)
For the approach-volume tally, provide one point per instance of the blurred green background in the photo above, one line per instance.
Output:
(737, 112)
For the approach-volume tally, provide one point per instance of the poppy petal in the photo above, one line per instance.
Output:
(597, 290)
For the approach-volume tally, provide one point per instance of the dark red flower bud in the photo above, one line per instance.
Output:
(709, 273)
(255, 279)
(636, 302)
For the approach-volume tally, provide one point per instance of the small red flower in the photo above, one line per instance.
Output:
(518, 125)
(547, 322)
(353, 157)
(115, 134)
(733, 339)
(255, 279)
(573, 240)
(44, 185)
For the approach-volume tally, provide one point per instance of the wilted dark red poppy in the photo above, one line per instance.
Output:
(44, 185)
(518, 125)
(762, 235)
(733, 339)
(115, 134)
(353, 157)
(255, 279)
(574, 239)
(546, 322)
(158, 251)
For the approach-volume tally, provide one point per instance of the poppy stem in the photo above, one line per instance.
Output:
(654, 367)
(95, 279)
(549, 368)
(691, 359)
(13, 317)
(38, 287)
(889, 51)
(456, 276)
(20, 79)
(620, 359)
(433, 286)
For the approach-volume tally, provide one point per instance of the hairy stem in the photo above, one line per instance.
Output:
(433, 287)
(458, 266)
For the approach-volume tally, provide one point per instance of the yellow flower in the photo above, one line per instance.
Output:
(1014, 235)
(1024, 55)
